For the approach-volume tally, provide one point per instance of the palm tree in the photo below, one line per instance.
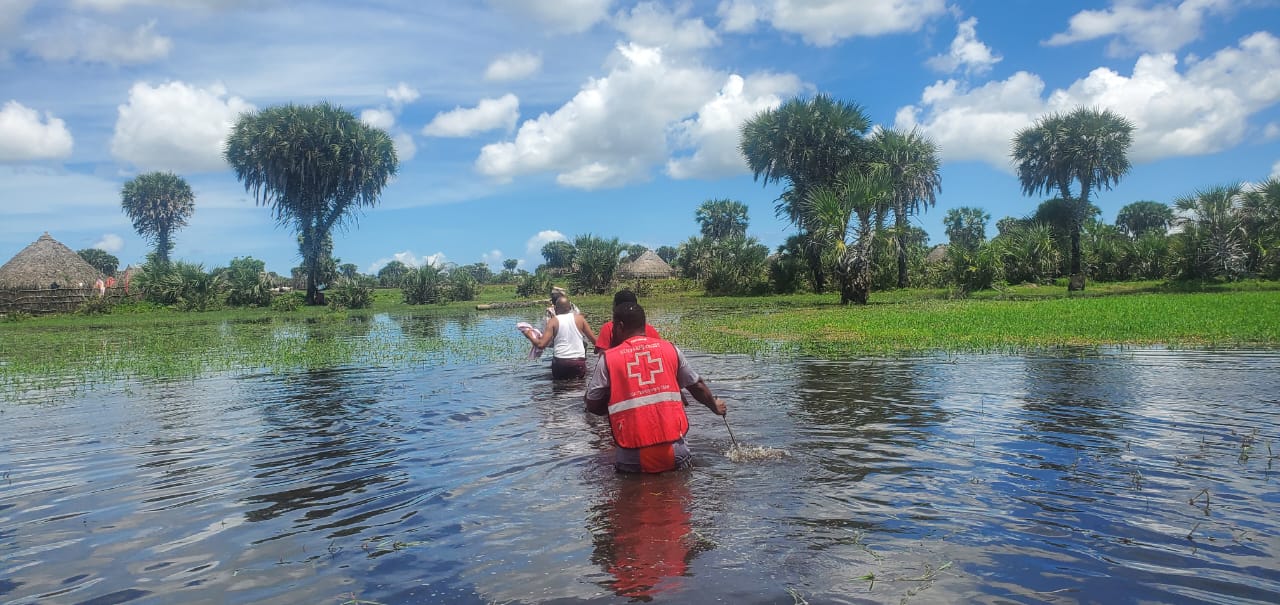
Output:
(1086, 146)
(966, 227)
(313, 165)
(722, 219)
(158, 203)
(807, 145)
(829, 212)
(1260, 212)
(1212, 233)
(912, 161)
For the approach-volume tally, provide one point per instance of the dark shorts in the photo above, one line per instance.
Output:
(562, 369)
(653, 459)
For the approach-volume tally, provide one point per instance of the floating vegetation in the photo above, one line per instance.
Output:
(44, 358)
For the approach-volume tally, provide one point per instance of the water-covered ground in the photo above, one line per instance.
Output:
(1114, 476)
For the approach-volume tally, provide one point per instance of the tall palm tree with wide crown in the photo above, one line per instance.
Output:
(158, 203)
(911, 160)
(806, 144)
(313, 165)
(1086, 146)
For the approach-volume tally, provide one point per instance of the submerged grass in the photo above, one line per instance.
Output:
(73, 350)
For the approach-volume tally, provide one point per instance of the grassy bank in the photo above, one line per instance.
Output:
(1230, 319)
(164, 344)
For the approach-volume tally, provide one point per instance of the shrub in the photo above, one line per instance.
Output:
(425, 285)
(183, 285)
(596, 260)
(247, 283)
(289, 301)
(979, 269)
(97, 305)
(736, 266)
(349, 294)
(533, 285)
(463, 285)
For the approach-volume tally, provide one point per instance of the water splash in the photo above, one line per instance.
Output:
(751, 453)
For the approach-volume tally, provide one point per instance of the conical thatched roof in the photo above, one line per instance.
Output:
(45, 262)
(648, 264)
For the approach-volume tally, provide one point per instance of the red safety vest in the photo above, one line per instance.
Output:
(644, 397)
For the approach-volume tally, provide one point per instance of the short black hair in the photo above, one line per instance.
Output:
(630, 314)
(624, 296)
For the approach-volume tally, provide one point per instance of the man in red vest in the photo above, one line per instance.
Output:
(637, 384)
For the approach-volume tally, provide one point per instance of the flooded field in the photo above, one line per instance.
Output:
(434, 464)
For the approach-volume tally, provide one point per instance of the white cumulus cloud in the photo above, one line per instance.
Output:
(827, 22)
(513, 66)
(738, 15)
(533, 247)
(405, 147)
(621, 126)
(1275, 170)
(714, 132)
(489, 114)
(109, 242)
(491, 257)
(1133, 27)
(379, 117)
(1203, 109)
(403, 94)
(92, 41)
(967, 52)
(26, 135)
(175, 126)
(410, 260)
(570, 16)
(651, 24)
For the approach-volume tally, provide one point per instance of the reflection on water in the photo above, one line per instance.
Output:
(643, 536)
(419, 476)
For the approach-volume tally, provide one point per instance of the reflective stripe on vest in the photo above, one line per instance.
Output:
(645, 407)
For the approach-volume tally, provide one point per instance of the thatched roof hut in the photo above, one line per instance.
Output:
(647, 265)
(45, 262)
(937, 254)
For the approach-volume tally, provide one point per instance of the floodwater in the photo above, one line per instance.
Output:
(1099, 476)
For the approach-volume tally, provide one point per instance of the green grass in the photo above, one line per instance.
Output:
(1180, 315)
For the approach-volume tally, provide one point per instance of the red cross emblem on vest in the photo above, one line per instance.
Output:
(645, 372)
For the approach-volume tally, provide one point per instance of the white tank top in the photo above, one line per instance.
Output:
(568, 340)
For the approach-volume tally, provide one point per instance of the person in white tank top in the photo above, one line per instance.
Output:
(567, 333)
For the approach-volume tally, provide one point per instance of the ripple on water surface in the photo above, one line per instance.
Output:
(1119, 476)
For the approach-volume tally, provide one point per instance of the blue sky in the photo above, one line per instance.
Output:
(522, 121)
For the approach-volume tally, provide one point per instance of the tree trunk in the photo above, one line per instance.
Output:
(1075, 282)
(164, 243)
(311, 261)
(900, 228)
(855, 267)
(814, 257)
